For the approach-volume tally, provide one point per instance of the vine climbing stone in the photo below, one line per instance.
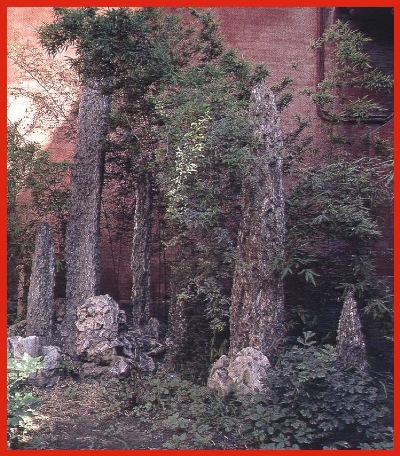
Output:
(40, 309)
(257, 309)
(141, 251)
(256, 314)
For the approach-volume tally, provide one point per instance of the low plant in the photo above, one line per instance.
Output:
(311, 401)
(314, 402)
(194, 414)
(20, 402)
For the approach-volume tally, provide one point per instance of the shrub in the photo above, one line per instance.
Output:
(314, 402)
(194, 415)
(20, 403)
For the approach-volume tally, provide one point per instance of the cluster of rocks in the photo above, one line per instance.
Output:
(104, 343)
(52, 361)
(105, 346)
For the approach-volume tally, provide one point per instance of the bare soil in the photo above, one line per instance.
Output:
(88, 415)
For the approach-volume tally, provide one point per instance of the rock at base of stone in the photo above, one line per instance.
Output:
(51, 371)
(18, 345)
(147, 365)
(243, 373)
(52, 362)
(120, 368)
(97, 330)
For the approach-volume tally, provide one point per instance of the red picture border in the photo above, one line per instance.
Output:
(3, 201)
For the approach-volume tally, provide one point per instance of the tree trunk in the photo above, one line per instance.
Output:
(256, 316)
(83, 227)
(141, 251)
(40, 310)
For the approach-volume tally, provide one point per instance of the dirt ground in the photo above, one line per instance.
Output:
(87, 415)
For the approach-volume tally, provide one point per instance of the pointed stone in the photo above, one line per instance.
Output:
(40, 309)
(350, 339)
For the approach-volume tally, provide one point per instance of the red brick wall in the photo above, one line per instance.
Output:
(277, 37)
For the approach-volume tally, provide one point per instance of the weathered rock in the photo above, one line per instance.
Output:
(121, 367)
(51, 371)
(17, 329)
(122, 321)
(243, 373)
(147, 365)
(18, 345)
(59, 310)
(40, 309)
(257, 309)
(350, 339)
(52, 362)
(97, 330)
(219, 379)
(152, 328)
(83, 229)
(92, 370)
(158, 350)
(247, 369)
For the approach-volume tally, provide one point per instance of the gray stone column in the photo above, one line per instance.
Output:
(83, 227)
(40, 309)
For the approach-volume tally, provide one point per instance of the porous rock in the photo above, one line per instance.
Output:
(18, 345)
(51, 370)
(97, 330)
(243, 373)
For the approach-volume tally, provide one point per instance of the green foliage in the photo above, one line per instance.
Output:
(339, 94)
(20, 403)
(193, 413)
(53, 96)
(335, 207)
(36, 189)
(204, 154)
(313, 402)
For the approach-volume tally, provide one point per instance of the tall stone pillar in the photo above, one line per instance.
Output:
(40, 309)
(141, 251)
(83, 227)
(256, 316)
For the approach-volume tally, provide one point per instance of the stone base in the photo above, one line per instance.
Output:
(243, 373)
